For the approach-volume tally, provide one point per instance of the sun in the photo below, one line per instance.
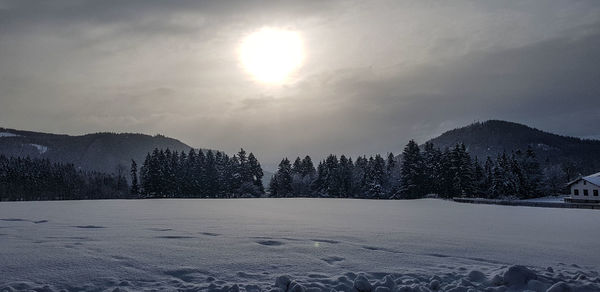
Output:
(270, 55)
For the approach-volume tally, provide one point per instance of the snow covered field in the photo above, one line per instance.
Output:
(295, 245)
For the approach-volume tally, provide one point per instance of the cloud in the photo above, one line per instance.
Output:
(551, 84)
(377, 73)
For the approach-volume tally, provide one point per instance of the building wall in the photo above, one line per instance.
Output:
(582, 185)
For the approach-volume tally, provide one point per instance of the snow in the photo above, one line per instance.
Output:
(7, 134)
(41, 148)
(295, 245)
(594, 178)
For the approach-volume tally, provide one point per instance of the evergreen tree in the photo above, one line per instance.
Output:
(479, 179)
(463, 183)
(392, 174)
(211, 175)
(308, 169)
(359, 177)
(344, 177)
(300, 181)
(411, 185)
(256, 175)
(281, 185)
(135, 189)
(331, 186)
(488, 179)
(432, 163)
(532, 174)
(376, 177)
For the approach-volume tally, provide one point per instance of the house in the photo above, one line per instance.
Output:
(585, 189)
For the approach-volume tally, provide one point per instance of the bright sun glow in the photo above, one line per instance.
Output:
(271, 54)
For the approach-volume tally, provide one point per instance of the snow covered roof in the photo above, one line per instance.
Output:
(593, 178)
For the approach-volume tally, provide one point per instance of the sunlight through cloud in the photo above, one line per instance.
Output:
(270, 55)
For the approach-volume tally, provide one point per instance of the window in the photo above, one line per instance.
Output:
(576, 192)
(585, 192)
(595, 193)
(584, 183)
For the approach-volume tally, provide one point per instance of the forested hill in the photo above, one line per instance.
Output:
(98, 152)
(493, 137)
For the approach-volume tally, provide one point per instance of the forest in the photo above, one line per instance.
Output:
(30, 179)
(447, 173)
(416, 173)
(172, 174)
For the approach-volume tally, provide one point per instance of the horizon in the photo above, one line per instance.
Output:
(271, 166)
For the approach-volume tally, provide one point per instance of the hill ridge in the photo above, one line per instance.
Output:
(101, 151)
(492, 137)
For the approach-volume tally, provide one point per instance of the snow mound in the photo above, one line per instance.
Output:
(515, 278)
(518, 276)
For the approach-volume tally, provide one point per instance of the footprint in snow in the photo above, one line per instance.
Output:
(326, 241)
(161, 229)
(89, 226)
(174, 237)
(332, 259)
(13, 220)
(270, 242)
(22, 220)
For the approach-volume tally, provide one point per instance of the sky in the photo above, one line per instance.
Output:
(375, 74)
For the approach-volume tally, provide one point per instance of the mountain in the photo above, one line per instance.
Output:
(493, 137)
(98, 152)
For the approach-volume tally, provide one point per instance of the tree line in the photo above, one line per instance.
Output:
(447, 173)
(27, 179)
(197, 174)
(419, 171)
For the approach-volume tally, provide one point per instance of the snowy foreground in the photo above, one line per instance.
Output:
(296, 245)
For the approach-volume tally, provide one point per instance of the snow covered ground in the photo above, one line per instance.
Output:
(295, 245)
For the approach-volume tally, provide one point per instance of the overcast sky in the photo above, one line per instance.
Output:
(375, 74)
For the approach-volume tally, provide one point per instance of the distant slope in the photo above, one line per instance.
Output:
(492, 137)
(99, 152)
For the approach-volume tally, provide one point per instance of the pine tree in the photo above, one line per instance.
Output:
(432, 163)
(200, 175)
(489, 176)
(211, 175)
(479, 179)
(308, 169)
(344, 177)
(464, 182)
(234, 179)
(220, 165)
(532, 174)
(375, 177)
(190, 181)
(392, 174)
(299, 188)
(359, 177)
(135, 189)
(256, 175)
(332, 188)
(145, 175)
(282, 186)
(411, 185)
